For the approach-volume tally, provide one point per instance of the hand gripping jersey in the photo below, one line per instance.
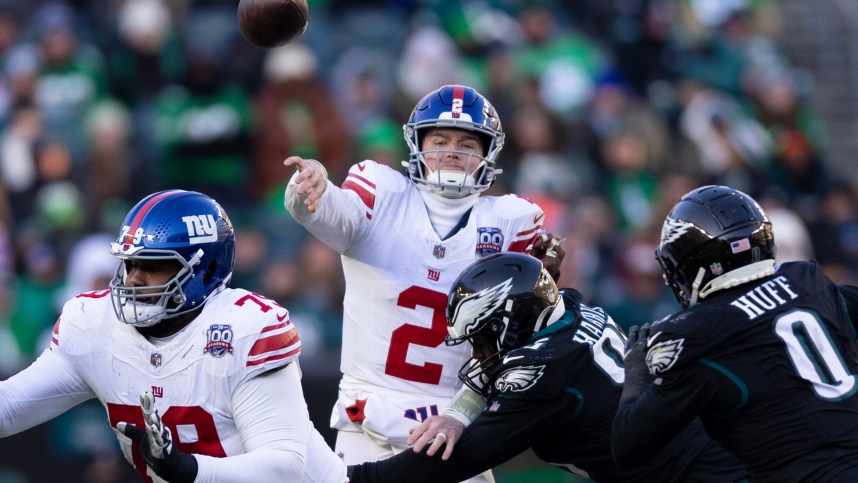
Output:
(238, 335)
(557, 395)
(398, 272)
(770, 367)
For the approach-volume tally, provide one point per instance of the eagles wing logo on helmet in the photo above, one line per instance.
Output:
(518, 379)
(673, 229)
(663, 355)
(474, 308)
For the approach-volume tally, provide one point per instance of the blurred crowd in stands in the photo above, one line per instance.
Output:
(612, 110)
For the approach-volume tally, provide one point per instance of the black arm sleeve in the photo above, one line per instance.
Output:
(644, 425)
(493, 438)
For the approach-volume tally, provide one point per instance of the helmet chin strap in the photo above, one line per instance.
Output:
(731, 279)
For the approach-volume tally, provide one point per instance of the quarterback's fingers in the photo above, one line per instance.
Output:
(448, 448)
(421, 442)
(416, 432)
(296, 161)
(439, 440)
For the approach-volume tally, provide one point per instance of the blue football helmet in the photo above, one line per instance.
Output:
(184, 226)
(460, 107)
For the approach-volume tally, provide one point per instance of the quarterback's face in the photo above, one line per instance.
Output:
(449, 149)
(149, 273)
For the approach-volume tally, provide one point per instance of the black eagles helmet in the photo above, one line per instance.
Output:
(714, 238)
(497, 304)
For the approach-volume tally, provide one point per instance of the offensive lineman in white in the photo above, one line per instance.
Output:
(200, 381)
(403, 242)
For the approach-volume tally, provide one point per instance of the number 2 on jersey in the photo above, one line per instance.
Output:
(407, 334)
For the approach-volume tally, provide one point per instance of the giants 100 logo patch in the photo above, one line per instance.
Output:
(489, 240)
(219, 340)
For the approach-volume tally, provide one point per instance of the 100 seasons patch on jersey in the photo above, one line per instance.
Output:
(219, 340)
(489, 240)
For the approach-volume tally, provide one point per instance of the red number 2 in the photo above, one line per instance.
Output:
(407, 334)
(207, 443)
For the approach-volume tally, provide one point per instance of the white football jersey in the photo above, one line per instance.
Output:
(398, 272)
(193, 374)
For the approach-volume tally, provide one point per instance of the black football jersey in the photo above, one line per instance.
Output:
(558, 395)
(770, 368)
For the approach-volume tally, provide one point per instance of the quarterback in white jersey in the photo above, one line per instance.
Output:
(215, 369)
(403, 242)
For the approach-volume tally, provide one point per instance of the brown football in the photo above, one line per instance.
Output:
(269, 23)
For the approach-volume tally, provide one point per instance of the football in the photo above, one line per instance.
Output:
(270, 23)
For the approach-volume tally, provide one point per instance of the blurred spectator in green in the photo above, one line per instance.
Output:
(40, 277)
(631, 185)
(71, 76)
(203, 125)
(146, 54)
(381, 140)
(563, 63)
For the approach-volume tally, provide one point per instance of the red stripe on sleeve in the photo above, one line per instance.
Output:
(275, 357)
(55, 333)
(527, 232)
(366, 181)
(274, 327)
(275, 342)
(365, 196)
(522, 246)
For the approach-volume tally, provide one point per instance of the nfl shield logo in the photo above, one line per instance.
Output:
(439, 251)
(155, 359)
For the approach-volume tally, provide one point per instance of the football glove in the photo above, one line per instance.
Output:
(637, 373)
(156, 444)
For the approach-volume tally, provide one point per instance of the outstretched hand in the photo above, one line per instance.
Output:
(312, 180)
(156, 444)
(549, 248)
(437, 431)
(637, 374)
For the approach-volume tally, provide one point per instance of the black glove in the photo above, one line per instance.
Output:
(637, 373)
(156, 444)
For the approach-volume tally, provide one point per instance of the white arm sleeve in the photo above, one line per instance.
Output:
(339, 218)
(47, 388)
(271, 415)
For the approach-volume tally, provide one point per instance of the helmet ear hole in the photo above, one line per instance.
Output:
(211, 270)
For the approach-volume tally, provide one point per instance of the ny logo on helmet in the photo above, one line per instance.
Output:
(201, 228)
